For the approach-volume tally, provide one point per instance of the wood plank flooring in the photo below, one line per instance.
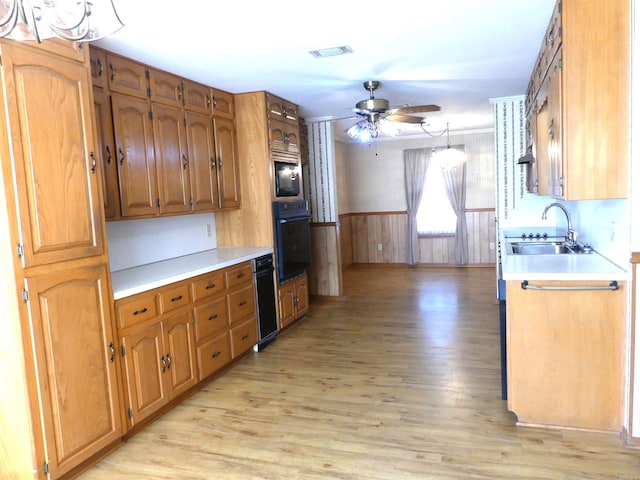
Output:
(400, 379)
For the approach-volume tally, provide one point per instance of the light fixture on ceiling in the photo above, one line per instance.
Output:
(366, 130)
(450, 157)
(331, 52)
(73, 20)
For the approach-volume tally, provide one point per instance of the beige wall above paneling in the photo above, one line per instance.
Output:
(371, 176)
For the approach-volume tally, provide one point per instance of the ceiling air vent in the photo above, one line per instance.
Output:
(331, 52)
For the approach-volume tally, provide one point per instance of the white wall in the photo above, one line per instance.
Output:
(137, 242)
(373, 174)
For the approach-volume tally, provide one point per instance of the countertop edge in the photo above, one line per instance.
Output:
(131, 281)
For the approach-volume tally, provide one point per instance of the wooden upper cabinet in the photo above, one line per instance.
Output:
(166, 88)
(99, 67)
(172, 164)
(135, 156)
(50, 114)
(227, 162)
(202, 156)
(555, 129)
(284, 140)
(222, 104)
(76, 353)
(280, 109)
(77, 51)
(108, 161)
(197, 97)
(127, 76)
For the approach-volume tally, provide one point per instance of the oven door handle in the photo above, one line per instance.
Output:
(296, 219)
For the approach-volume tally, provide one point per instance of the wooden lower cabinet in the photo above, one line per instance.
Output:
(177, 335)
(159, 364)
(565, 367)
(75, 348)
(293, 300)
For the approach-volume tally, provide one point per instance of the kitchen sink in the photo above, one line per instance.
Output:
(545, 248)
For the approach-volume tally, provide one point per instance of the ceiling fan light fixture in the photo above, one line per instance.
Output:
(331, 51)
(360, 132)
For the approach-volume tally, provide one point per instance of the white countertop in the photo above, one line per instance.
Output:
(134, 280)
(591, 266)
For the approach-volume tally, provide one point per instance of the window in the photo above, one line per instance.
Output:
(435, 214)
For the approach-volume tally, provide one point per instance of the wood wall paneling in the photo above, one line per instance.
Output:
(325, 273)
(367, 230)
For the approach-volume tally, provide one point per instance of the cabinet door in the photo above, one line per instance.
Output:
(76, 357)
(127, 76)
(145, 367)
(543, 179)
(134, 151)
(180, 352)
(302, 296)
(286, 304)
(197, 97)
(283, 140)
(228, 175)
(280, 109)
(50, 116)
(565, 364)
(169, 134)
(165, 88)
(222, 104)
(104, 127)
(204, 178)
(556, 171)
(98, 59)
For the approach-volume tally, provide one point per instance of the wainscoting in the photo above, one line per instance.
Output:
(363, 233)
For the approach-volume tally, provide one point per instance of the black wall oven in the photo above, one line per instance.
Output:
(292, 238)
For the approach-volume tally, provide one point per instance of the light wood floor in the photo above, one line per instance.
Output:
(400, 379)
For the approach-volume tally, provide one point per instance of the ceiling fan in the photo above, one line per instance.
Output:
(373, 110)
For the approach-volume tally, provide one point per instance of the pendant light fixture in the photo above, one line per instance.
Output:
(450, 157)
(72, 20)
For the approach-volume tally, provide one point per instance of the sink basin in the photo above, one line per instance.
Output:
(543, 248)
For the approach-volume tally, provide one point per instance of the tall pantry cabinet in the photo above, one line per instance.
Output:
(55, 217)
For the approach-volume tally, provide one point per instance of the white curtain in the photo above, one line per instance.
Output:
(454, 178)
(415, 170)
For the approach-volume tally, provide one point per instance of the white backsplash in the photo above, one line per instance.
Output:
(138, 242)
(604, 224)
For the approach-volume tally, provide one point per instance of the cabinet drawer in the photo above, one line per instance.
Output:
(174, 298)
(243, 337)
(213, 355)
(241, 304)
(136, 310)
(208, 286)
(210, 318)
(239, 276)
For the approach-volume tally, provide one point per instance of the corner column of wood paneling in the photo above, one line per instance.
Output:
(633, 438)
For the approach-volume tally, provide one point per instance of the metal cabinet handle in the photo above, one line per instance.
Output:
(213, 163)
(208, 100)
(613, 285)
(108, 150)
(164, 363)
(113, 71)
(242, 303)
(168, 361)
(213, 317)
(138, 312)
(245, 336)
(113, 352)
(93, 162)
(175, 299)
(184, 161)
(551, 134)
(210, 286)
(121, 153)
(217, 354)
(240, 275)
(100, 67)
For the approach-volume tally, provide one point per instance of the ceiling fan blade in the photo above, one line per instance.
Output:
(417, 109)
(395, 117)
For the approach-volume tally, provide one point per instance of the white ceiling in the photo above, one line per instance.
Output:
(455, 53)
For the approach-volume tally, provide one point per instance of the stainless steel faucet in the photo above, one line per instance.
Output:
(572, 235)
